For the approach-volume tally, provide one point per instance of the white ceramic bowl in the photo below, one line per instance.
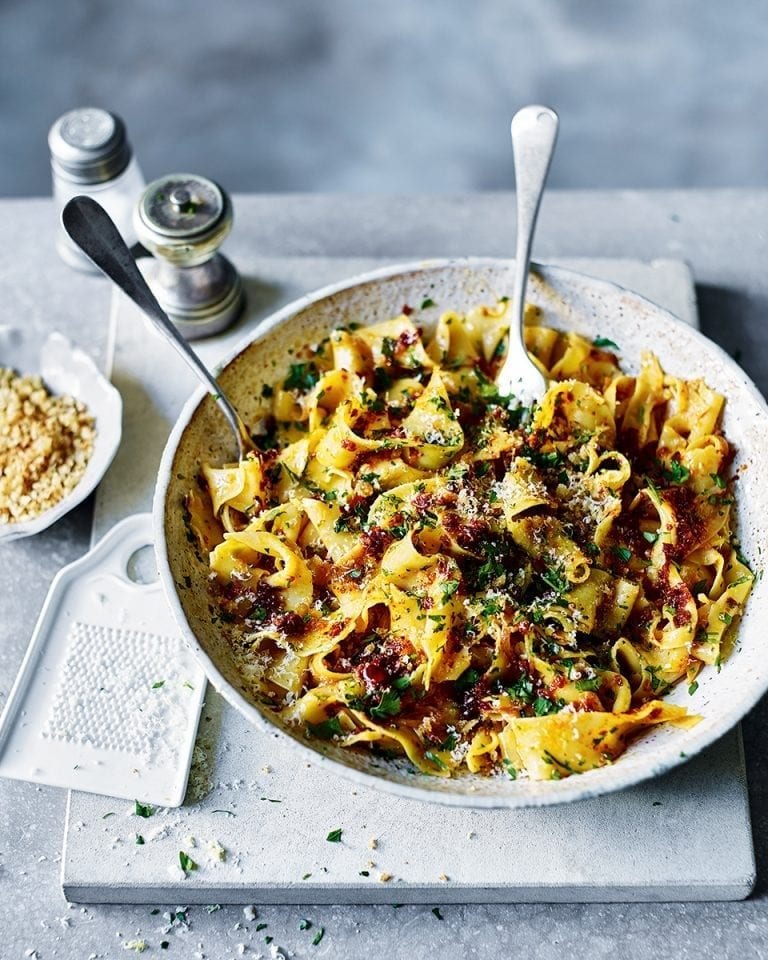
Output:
(65, 369)
(570, 301)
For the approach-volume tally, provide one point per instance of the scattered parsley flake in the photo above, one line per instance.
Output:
(186, 863)
(449, 588)
(326, 730)
(302, 377)
(542, 706)
(144, 810)
(693, 687)
(334, 836)
(436, 911)
(676, 472)
(304, 924)
(158, 684)
(318, 936)
(388, 706)
(433, 758)
(602, 342)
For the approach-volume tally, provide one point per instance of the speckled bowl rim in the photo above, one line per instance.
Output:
(625, 773)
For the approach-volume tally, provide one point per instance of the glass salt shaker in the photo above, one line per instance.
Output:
(91, 155)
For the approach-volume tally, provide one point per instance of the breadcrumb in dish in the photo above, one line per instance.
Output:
(45, 444)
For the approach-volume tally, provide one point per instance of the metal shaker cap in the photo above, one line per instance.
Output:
(89, 145)
(183, 218)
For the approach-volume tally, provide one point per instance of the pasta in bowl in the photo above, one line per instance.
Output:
(473, 602)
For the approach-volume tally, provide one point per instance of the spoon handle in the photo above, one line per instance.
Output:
(534, 131)
(92, 229)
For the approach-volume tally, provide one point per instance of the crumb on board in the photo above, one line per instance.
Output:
(45, 445)
(443, 878)
(373, 844)
(385, 877)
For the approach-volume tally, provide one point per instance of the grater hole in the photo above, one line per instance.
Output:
(141, 566)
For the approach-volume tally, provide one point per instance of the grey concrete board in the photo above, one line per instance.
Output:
(723, 235)
(610, 849)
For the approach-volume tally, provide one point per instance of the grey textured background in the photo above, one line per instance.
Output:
(393, 95)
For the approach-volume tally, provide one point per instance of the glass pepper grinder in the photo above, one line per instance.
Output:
(90, 154)
(182, 219)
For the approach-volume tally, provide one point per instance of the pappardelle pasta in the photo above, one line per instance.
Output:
(416, 565)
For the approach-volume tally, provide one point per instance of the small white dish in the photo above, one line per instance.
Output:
(65, 368)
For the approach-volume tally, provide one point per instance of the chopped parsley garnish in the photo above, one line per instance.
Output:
(510, 768)
(139, 840)
(186, 863)
(542, 706)
(588, 683)
(334, 836)
(539, 459)
(675, 472)
(433, 758)
(717, 480)
(623, 553)
(326, 730)
(302, 377)
(388, 706)
(651, 536)
(468, 679)
(318, 936)
(693, 687)
(602, 342)
(436, 911)
(655, 681)
(304, 924)
(157, 684)
(554, 579)
(522, 689)
(143, 809)
(448, 589)
(427, 302)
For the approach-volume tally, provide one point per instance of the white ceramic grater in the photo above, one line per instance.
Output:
(108, 696)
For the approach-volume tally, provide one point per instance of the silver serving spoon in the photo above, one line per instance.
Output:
(534, 132)
(92, 229)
